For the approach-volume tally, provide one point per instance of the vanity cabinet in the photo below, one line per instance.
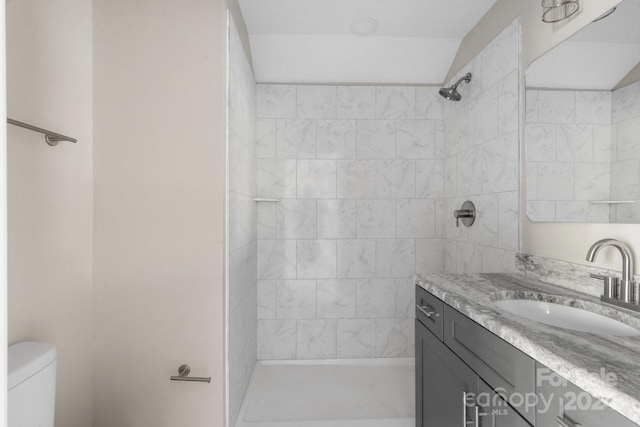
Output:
(444, 382)
(461, 367)
(496, 412)
(500, 364)
(571, 406)
(448, 391)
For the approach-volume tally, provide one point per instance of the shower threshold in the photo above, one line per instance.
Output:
(331, 393)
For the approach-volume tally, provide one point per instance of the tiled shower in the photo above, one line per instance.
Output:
(242, 237)
(482, 160)
(625, 154)
(366, 179)
(358, 174)
(356, 187)
(581, 149)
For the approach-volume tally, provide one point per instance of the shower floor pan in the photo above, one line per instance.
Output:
(331, 393)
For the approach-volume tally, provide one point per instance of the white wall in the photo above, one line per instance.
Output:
(241, 27)
(159, 278)
(50, 194)
(160, 110)
(242, 237)
(358, 170)
(3, 221)
(537, 37)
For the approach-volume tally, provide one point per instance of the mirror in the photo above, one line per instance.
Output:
(582, 132)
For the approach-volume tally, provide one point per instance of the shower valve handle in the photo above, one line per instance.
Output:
(467, 214)
(462, 213)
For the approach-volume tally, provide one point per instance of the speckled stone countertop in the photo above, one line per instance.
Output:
(577, 356)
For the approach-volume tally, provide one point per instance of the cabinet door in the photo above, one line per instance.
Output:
(442, 382)
(493, 411)
(497, 362)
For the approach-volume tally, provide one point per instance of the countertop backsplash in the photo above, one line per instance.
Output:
(564, 274)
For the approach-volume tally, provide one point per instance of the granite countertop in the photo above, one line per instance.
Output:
(577, 356)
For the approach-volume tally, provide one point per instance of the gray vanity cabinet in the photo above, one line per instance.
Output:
(571, 406)
(460, 364)
(495, 412)
(443, 381)
(500, 364)
(448, 391)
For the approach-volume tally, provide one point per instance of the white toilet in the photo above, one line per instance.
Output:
(32, 384)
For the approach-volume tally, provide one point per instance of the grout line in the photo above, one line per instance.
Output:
(316, 298)
(336, 98)
(295, 88)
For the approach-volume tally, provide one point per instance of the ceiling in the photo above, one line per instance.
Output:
(317, 41)
(596, 58)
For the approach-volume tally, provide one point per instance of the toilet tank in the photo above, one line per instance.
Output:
(32, 384)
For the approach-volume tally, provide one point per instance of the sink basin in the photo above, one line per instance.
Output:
(566, 317)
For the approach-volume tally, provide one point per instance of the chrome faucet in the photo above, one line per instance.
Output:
(627, 285)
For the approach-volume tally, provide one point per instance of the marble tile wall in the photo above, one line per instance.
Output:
(481, 159)
(625, 156)
(358, 171)
(242, 237)
(568, 151)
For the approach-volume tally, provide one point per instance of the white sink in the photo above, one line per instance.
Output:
(566, 317)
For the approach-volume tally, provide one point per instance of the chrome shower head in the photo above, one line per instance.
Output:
(451, 93)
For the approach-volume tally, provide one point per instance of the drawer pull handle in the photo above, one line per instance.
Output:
(464, 406)
(565, 423)
(427, 310)
(478, 415)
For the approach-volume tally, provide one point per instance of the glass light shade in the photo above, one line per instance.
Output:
(557, 10)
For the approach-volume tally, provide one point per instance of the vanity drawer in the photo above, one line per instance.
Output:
(429, 311)
(563, 402)
(497, 362)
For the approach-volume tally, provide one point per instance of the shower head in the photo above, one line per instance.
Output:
(451, 93)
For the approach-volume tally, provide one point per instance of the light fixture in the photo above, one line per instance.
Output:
(364, 26)
(557, 10)
(607, 13)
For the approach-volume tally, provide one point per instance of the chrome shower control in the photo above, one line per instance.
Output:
(467, 214)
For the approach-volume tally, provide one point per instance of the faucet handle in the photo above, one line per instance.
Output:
(610, 285)
(467, 213)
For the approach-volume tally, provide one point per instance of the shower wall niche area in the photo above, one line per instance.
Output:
(358, 172)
